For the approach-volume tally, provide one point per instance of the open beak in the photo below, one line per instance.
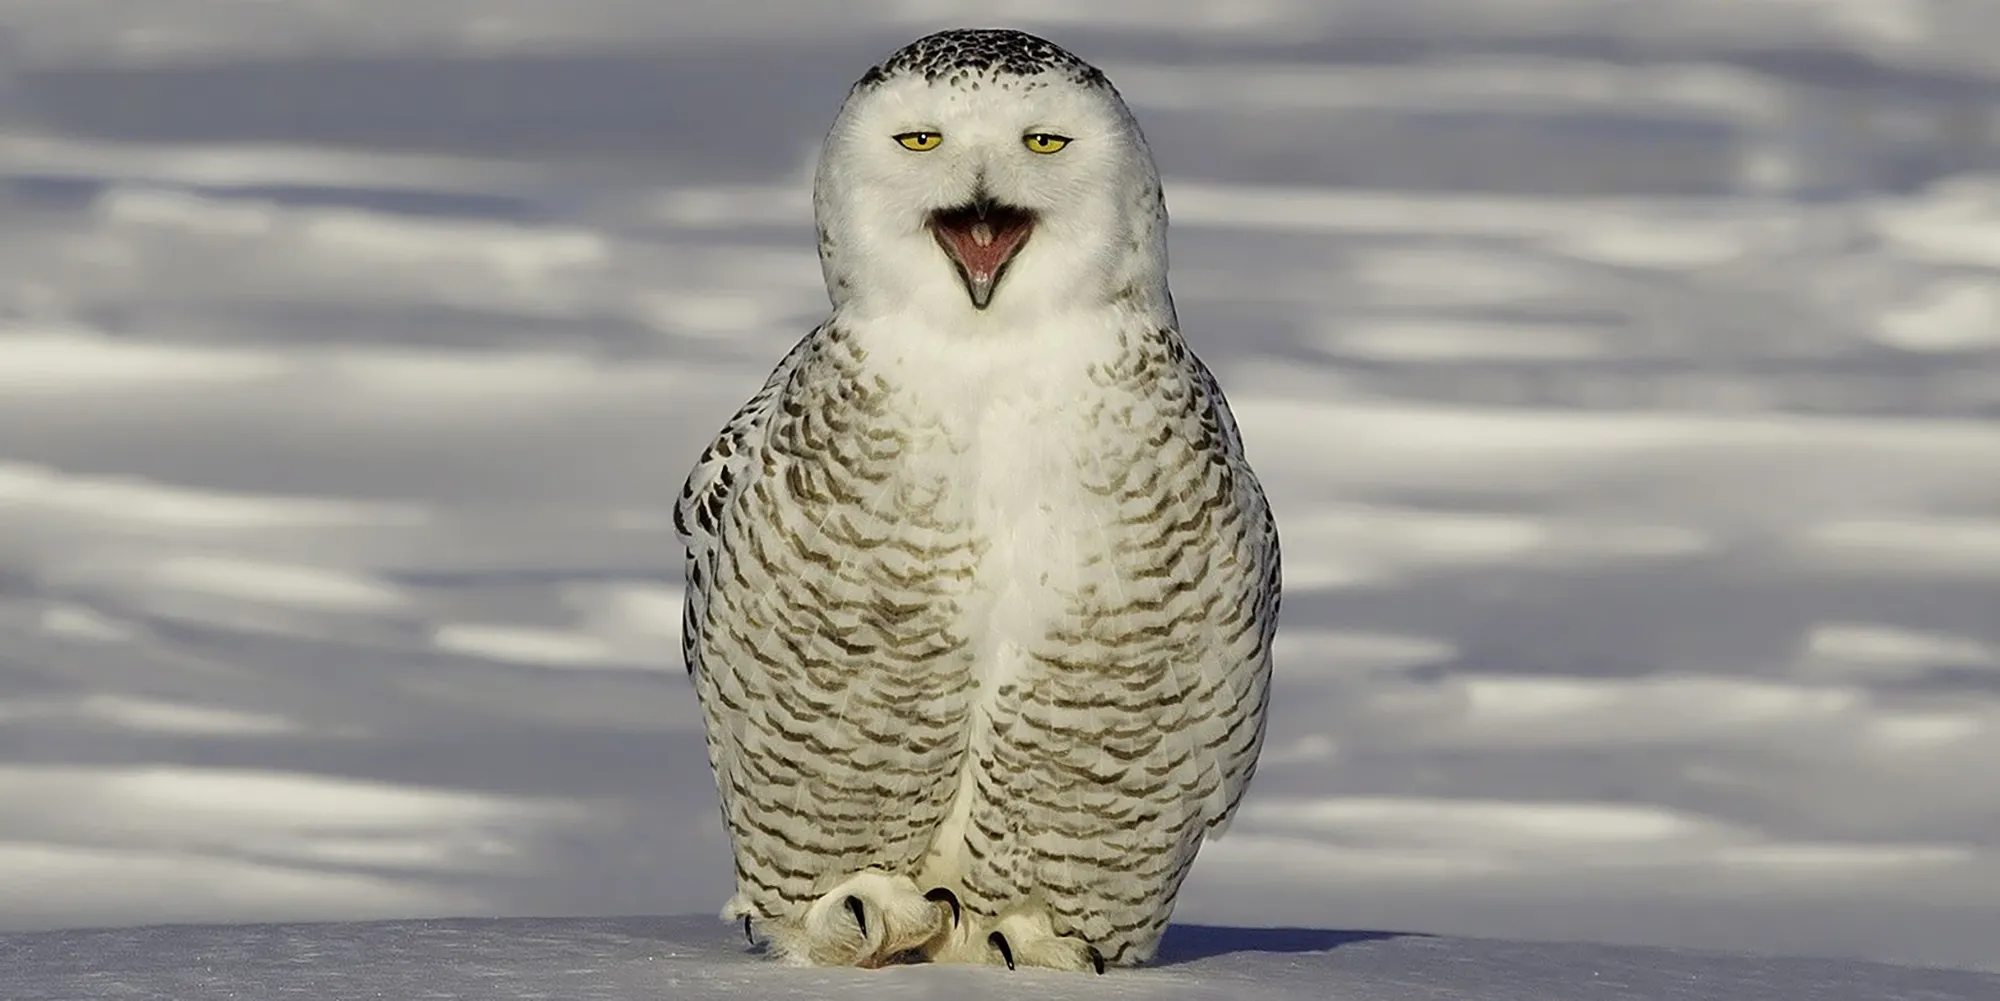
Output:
(981, 238)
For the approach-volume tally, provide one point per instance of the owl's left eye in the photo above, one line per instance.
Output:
(1044, 142)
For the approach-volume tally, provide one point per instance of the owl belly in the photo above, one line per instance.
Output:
(1045, 538)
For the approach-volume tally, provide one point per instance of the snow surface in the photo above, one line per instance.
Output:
(696, 959)
(1625, 377)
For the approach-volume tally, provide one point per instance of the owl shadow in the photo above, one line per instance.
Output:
(1190, 943)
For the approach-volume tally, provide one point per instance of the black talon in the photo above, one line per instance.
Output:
(1096, 959)
(999, 941)
(944, 893)
(746, 930)
(860, 918)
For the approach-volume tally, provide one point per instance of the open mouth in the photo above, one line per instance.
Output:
(981, 239)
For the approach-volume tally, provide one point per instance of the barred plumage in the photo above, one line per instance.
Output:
(980, 594)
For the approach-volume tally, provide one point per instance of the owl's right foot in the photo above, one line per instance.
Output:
(871, 919)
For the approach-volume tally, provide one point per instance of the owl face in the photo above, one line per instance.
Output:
(974, 189)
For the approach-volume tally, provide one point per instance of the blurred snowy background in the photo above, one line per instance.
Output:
(1625, 373)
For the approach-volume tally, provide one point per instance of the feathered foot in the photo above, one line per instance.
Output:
(871, 919)
(1019, 938)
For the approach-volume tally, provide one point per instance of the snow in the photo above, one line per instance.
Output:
(1625, 378)
(627, 959)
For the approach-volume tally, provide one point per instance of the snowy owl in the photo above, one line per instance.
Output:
(981, 589)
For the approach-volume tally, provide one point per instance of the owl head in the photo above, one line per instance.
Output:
(988, 173)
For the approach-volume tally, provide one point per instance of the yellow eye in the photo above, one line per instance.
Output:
(1044, 142)
(920, 141)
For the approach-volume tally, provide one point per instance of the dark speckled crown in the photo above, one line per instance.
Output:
(960, 53)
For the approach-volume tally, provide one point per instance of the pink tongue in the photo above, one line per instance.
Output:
(982, 261)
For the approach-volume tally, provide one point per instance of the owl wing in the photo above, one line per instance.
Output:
(708, 502)
(705, 498)
(1248, 616)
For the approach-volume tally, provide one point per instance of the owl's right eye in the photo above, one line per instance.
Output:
(920, 141)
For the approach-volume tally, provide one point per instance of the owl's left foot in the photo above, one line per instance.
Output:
(1021, 938)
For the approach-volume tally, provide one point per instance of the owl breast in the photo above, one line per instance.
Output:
(1039, 529)
(1024, 450)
